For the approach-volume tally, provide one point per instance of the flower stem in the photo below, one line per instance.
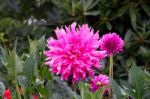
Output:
(111, 66)
(110, 72)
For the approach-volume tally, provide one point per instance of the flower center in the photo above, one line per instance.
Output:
(74, 54)
(100, 84)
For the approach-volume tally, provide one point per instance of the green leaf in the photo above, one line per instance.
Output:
(109, 26)
(128, 36)
(93, 13)
(130, 93)
(87, 94)
(132, 13)
(57, 96)
(136, 79)
(33, 46)
(43, 91)
(125, 84)
(147, 84)
(6, 23)
(64, 90)
(146, 9)
(29, 68)
(2, 88)
(122, 10)
(14, 62)
(41, 43)
(86, 4)
(3, 55)
(49, 86)
(13, 5)
(93, 4)
(57, 2)
(45, 73)
(19, 65)
(2, 38)
(116, 89)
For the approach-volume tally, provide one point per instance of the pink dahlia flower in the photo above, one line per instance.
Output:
(73, 53)
(98, 82)
(111, 43)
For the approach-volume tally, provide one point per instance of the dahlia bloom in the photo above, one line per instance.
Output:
(7, 94)
(73, 53)
(111, 43)
(98, 82)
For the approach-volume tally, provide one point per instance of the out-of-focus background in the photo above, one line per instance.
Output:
(24, 25)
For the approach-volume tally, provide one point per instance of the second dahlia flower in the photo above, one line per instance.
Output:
(73, 53)
(98, 82)
(112, 43)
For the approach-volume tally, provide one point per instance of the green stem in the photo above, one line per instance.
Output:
(111, 66)
(92, 96)
(82, 92)
(110, 72)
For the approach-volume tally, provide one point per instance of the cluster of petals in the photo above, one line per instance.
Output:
(99, 82)
(7, 94)
(74, 53)
(111, 43)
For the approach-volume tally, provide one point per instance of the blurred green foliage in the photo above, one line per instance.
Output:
(24, 25)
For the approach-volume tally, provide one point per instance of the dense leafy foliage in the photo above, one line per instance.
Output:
(25, 25)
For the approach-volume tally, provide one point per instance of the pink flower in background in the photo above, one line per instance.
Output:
(111, 43)
(98, 82)
(35, 97)
(7, 94)
(73, 53)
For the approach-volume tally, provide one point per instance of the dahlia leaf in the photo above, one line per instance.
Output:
(132, 13)
(116, 88)
(136, 80)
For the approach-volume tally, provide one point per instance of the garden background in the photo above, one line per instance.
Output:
(26, 24)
